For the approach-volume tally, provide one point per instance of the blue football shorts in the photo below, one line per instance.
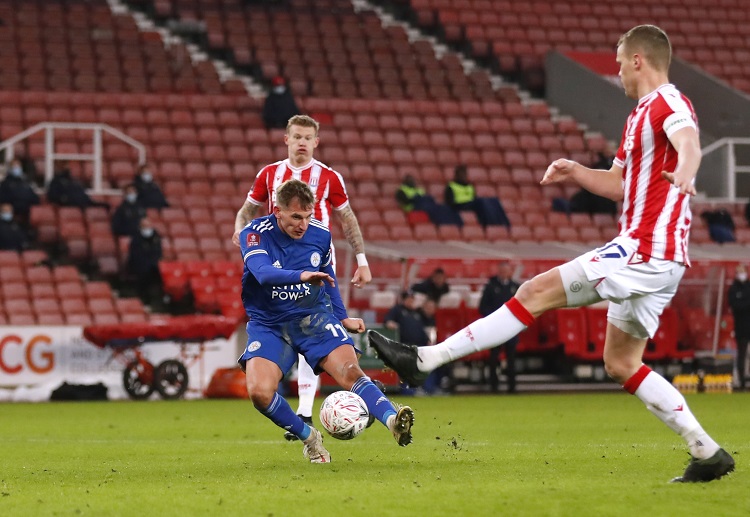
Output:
(314, 336)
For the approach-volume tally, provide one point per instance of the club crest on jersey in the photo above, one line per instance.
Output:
(252, 347)
(253, 239)
(315, 259)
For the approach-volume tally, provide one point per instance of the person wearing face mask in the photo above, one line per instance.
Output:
(143, 262)
(279, 106)
(739, 301)
(127, 218)
(16, 190)
(150, 194)
(12, 237)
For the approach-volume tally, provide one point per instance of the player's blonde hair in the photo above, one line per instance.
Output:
(292, 188)
(652, 41)
(303, 121)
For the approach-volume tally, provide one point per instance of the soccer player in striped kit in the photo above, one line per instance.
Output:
(638, 272)
(328, 186)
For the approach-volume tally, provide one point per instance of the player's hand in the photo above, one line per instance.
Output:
(354, 325)
(362, 276)
(317, 278)
(236, 238)
(686, 186)
(559, 170)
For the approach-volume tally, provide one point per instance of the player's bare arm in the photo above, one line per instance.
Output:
(353, 234)
(354, 325)
(687, 144)
(605, 183)
(244, 216)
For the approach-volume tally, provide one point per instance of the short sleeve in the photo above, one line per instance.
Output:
(258, 194)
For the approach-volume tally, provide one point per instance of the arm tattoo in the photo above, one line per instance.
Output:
(245, 215)
(351, 230)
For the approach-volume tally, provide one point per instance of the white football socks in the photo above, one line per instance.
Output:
(488, 332)
(307, 386)
(669, 406)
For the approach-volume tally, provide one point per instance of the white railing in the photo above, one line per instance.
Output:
(721, 169)
(50, 156)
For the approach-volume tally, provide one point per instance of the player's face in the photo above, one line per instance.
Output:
(301, 142)
(294, 219)
(627, 72)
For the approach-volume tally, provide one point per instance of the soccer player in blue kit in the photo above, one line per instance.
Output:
(291, 295)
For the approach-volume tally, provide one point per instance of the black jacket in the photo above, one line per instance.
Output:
(495, 294)
(18, 192)
(127, 218)
(739, 301)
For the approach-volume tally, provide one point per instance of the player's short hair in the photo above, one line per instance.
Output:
(294, 188)
(652, 41)
(303, 121)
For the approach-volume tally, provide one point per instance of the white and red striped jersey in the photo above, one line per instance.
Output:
(327, 185)
(653, 211)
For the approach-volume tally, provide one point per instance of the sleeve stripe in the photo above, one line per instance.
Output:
(254, 252)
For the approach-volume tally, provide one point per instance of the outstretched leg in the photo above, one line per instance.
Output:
(543, 292)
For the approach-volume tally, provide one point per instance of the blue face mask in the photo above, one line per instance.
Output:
(16, 171)
(6, 216)
(131, 198)
(147, 177)
(147, 232)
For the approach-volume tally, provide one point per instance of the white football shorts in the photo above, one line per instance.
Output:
(638, 290)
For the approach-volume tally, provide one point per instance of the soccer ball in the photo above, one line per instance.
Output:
(344, 415)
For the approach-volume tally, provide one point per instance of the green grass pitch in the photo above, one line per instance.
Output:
(529, 454)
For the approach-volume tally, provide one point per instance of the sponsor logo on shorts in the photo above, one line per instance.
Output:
(315, 259)
(575, 286)
(252, 347)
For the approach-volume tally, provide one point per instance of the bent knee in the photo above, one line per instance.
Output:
(260, 395)
(621, 370)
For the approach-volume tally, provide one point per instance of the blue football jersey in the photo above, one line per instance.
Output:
(271, 290)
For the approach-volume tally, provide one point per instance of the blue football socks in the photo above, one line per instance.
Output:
(377, 404)
(281, 414)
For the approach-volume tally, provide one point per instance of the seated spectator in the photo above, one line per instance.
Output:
(410, 196)
(126, 220)
(408, 320)
(459, 192)
(279, 105)
(461, 196)
(16, 190)
(143, 262)
(585, 202)
(12, 236)
(434, 287)
(65, 190)
(150, 194)
(720, 225)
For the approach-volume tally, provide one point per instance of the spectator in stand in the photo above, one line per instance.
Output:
(150, 194)
(143, 262)
(461, 196)
(65, 190)
(497, 291)
(459, 192)
(279, 106)
(415, 325)
(434, 286)
(16, 190)
(126, 220)
(408, 320)
(739, 301)
(12, 236)
(411, 196)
